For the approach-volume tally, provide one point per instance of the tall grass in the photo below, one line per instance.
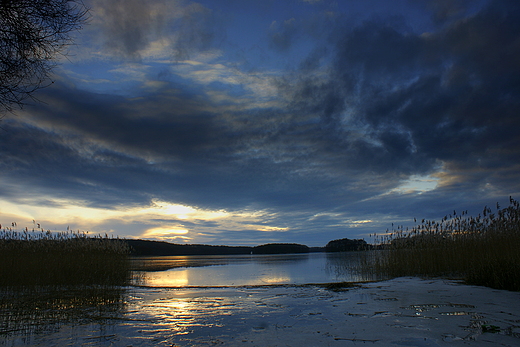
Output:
(61, 258)
(483, 250)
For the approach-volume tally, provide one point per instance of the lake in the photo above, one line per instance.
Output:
(247, 270)
(177, 300)
(258, 300)
(398, 312)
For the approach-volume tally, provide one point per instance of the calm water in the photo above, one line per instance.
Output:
(240, 270)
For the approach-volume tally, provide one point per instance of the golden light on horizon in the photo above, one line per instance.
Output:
(159, 219)
(166, 232)
(63, 212)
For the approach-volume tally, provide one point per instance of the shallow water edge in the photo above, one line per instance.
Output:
(402, 311)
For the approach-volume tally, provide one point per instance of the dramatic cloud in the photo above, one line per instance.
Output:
(133, 28)
(341, 126)
(421, 100)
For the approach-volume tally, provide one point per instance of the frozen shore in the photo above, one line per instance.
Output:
(400, 312)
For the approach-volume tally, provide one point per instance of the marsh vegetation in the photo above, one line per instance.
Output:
(48, 279)
(483, 250)
(61, 258)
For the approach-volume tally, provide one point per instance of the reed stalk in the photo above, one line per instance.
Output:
(483, 250)
(62, 258)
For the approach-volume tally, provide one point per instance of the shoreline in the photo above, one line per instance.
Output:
(402, 311)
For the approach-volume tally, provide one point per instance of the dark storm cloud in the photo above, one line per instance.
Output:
(94, 146)
(130, 26)
(391, 108)
(451, 96)
(169, 146)
(157, 126)
(52, 163)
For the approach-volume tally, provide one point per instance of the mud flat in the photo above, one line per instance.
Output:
(401, 312)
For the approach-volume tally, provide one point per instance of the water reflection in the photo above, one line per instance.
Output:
(160, 316)
(163, 263)
(198, 317)
(239, 270)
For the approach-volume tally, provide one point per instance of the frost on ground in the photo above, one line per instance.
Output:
(400, 312)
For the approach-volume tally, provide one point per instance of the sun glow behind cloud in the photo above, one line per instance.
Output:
(160, 220)
(183, 211)
(173, 233)
(69, 211)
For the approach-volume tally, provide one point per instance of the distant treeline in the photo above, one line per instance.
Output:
(162, 248)
(278, 248)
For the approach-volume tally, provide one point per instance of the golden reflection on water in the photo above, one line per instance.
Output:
(242, 270)
(170, 314)
(276, 280)
(201, 278)
(167, 278)
(222, 316)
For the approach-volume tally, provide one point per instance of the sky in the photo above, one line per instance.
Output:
(246, 122)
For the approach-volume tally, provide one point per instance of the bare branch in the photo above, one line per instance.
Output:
(32, 33)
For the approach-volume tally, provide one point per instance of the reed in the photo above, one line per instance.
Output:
(483, 250)
(61, 258)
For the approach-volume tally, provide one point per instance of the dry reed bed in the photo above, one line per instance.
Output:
(483, 250)
(61, 258)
